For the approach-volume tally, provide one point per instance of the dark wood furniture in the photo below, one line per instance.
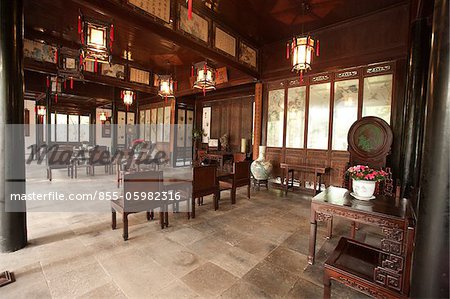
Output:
(257, 183)
(204, 183)
(386, 212)
(289, 173)
(220, 157)
(240, 177)
(59, 158)
(239, 157)
(149, 181)
(99, 156)
(370, 270)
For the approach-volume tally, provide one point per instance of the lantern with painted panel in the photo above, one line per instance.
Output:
(205, 76)
(41, 111)
(128, 97)
(166, 87)
(301, 50)
(69, 66)
(96, 39)
(102, 117)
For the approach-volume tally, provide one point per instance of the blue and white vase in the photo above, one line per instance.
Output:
(261, 169)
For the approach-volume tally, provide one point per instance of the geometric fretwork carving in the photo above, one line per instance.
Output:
(388, 278)
(322, 217)
(393, 241)
(391, 246)
(393, 262)
(358, 217)
(362, 288)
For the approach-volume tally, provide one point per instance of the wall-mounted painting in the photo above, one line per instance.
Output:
(247, 54)
(198, 27)
(224, 41)
(114, 70)
(39, 51)
(157, 8)
(139, 76)
(206, 124)
(221, 75)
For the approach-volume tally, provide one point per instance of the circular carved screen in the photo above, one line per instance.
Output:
(370, 138)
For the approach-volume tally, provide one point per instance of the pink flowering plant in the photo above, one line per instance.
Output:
(361, 172)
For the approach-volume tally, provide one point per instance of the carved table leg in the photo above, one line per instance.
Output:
(353, 230)
(125, 226)
(326, 286)
(312, 238)
(330, 228)
(113, 218)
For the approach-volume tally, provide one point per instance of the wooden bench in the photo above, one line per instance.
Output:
(289, 169)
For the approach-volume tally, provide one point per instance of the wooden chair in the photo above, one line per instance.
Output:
(239, 178)
(204, 183)
(99, 156)
(239, 157)
(59, 159)
(376, 272)
(135, 183)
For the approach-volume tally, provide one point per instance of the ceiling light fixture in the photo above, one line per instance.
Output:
(205, 76)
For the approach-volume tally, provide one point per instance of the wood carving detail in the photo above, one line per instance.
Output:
(322, 217)
(360, 287)
(393, 262)
(388, 278)
(369, 219)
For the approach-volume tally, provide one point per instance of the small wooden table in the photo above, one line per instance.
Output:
(218, 156)
(390, 214)
(291, 168)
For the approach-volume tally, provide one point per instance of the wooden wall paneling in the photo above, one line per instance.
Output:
(216, 121)
(246, 121)
(224, 119)
(317, 158)
(338, 164)
(274, 155)
(234, 124)
(258, 119)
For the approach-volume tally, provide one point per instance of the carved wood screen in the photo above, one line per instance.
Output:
(307, 122)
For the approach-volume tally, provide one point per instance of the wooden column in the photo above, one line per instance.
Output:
(258, 119)
(114, 117)
(13, 230)
(414, 106)
(430, 273)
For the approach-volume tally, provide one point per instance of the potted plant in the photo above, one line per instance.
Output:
(364, 180)
(197, 136)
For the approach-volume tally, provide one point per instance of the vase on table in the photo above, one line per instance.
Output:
(260, 168)
(363, 189)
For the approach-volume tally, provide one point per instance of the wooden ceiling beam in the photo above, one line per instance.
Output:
(125, 13)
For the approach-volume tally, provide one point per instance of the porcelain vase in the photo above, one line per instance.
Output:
(363, 189)
(261, 169)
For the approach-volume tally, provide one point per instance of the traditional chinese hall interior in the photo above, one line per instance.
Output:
(304, 145)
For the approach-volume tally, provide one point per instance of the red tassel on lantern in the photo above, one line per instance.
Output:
(192, 71)
(189, 9)
(48, 81)
(204, 91)
(71, 83)
(111, 37)
(95, 65)
(301, 76)
(79, 25)
(288, 50)
(318, 48)
(56, 98)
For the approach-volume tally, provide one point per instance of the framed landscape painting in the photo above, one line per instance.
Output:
(248, 55)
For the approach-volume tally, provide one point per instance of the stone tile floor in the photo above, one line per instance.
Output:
(254, 249)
